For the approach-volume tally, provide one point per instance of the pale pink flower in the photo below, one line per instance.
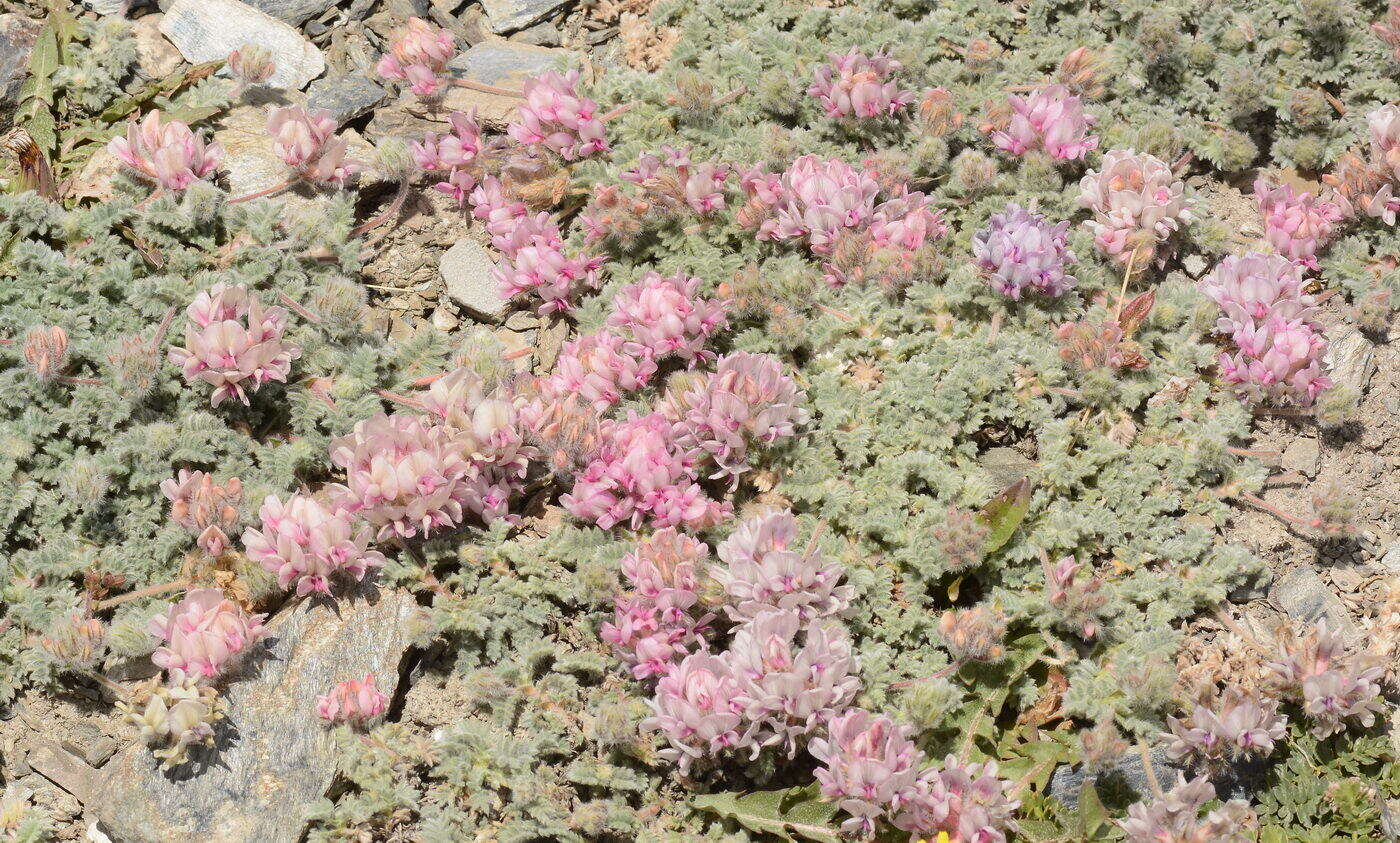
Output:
(601, 368)
(404, 475)
(1137, 204)
(854, 84)
(1297, 224)
(1051, 118)
(1254, 290)
(233, 343)
(870, 767)
(1020, 250)
(1283, 364)
(307, 143)
(305, 543)
(968, 801)
(762, 570)
(816, 200)
(667, 315)
(169, 153)
(543, 269)
(202, 633)
(207, 509)
(638, 476)
(507, 219)
(354, 701)
(696, 707)
(455, 153)
(487, 429)
(654, 624)
(419, 55)
(554, 116)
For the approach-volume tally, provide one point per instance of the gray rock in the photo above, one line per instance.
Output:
(543, 34)
(1306, 599)
(155, 55)
(294, 12)
(507, 16)
(17, 36)
(1302, 455)
(504, 64)
(207, 30)
(1006, 465)
(1350, 359)
(100, 750)
(1128, 777)
(549, 342)
(274, 758)
(1390, 562)
(466, 270)
(345, 97)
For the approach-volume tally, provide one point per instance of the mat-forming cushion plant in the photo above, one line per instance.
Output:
(879, 478)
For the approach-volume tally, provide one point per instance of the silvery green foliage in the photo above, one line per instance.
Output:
(107, 274)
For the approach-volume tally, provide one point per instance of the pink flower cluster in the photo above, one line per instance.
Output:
(1021, 250)
(355, 701)
(419, 55)
(854, 84)
(872, 769)
(1052, 119)
(307, 143)
(639, 476)
(1267, 315)
(554, 116)
(1076, 603)
(201, 635)
(455, 152)
(485, 427)
(831, 206)
(1174, 816)
(1333, 686)
(761, 571)
(667, 315)
(207, 509)
(533, 259)
(1297, 224)
(669, 186)
(600, 368)
(1235, 725)
(655, 622)
(747, 400)
(304, 542)
(1137, 204)
(167, 153)
(404, 475)
(233, 343)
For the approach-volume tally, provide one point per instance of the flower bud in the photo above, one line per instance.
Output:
(976, 634)
(251, 64)
(46, 351)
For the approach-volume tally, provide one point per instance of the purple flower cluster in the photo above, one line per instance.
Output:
(1235, 725)
(1297, 224)
(1332, 685)
(1175, 817)
(655, 623)
(856, 85)
(1052, 119)
(1267, 316)
(233, 343)
(1020, 250)
(667, 315)
(1137, 204)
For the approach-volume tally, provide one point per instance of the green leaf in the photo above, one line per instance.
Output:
(1092, 814)
(1004, 513)
(797, 813)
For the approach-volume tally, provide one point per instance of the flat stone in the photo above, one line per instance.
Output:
(504, 64)
(64, 769)
(1128, 776)
(1391, 560)
(509, 15)
(155, 55)
(1302, 455)
(275, 758)
(345, 97)
(294, 12)
(543, 34)
(208, 30)
(100, 750)
(466, 271)
(1306, 599)
(549, 341)
(17, 36)
(1350, 359)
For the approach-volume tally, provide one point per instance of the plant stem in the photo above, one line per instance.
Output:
(148, 591)
(487, 89)
(1151, 772)
(291, 303)
(617, 112)
(393, 209)
(732, 95)
(267, 191)
(1260, 503)
(952, 668)
(1123, 292)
